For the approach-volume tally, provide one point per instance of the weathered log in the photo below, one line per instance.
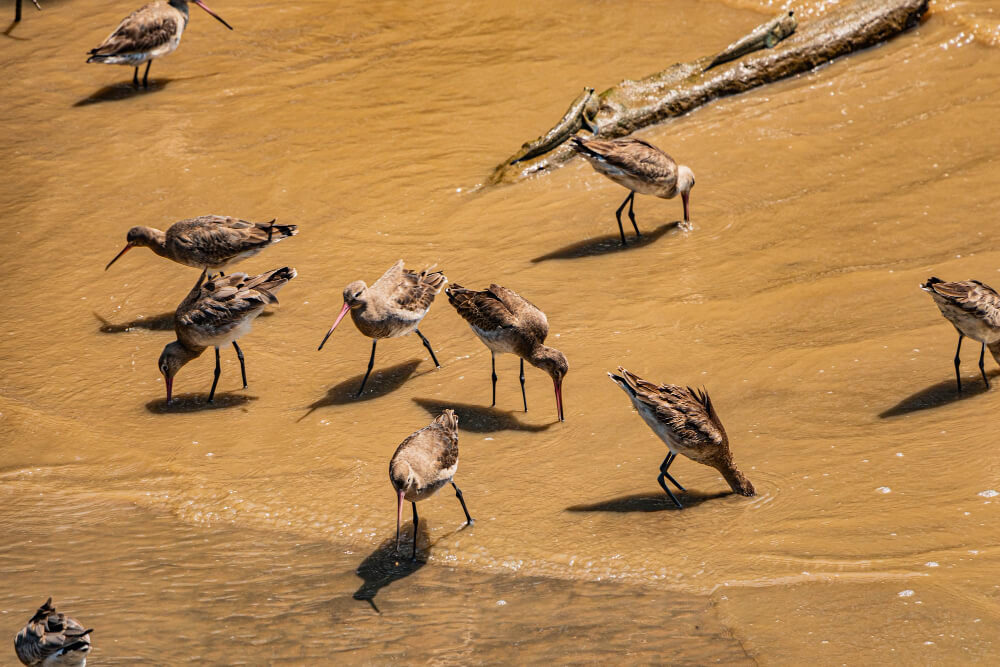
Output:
(675, 91)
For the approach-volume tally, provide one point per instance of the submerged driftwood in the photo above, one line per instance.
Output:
(632, 105)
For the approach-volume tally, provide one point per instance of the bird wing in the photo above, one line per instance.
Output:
(225, 301)
(632, 156)
(690, 414)
(483, 310)
(143, 30)
(47, 634)
(217, 235)
(410, 290)
(528, 314)
(971, 296)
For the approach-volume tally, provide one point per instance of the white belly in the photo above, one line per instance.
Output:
(497, 341)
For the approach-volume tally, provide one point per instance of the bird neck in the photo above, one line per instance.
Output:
(156, 241)
(179, 5)
(736, 479)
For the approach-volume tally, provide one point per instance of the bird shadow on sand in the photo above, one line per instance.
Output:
(184, 403)
(648, 502)
(10, 29)
(605, 245)
(382, 381)
(123, 90)
(937, 395)
(385, 566)
(477, 418)
(161, 322)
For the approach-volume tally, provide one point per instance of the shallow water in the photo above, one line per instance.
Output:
(821, 202)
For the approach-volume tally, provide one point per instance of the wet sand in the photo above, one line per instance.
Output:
(821, 202)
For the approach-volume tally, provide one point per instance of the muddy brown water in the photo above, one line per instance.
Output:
(260, 530)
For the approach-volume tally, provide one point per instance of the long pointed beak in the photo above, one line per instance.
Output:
(170, 389)
(684, 198)
(128, 246)
(559, 405)
(343, 311)
(399, 516)
(213, 14)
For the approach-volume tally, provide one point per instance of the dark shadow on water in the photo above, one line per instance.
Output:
(604, 245)
(939, 394)
(649, 502)
(123, 90)
(479, 419)
(384, 566)
(382, 381)
(10, 29)
(161, 322)
(184, 403)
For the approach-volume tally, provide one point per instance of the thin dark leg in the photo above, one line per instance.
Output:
(145, 76)
(982, 370)
(958, 376)
(493, 376)
(371, 363)
(618, 214)
(461, 499)
(17, 12)
(215, 381)
(135, 77)
(665, 465)
(416, 522)
(243, 367)
(427, 344)
(631, 214)
(663, 485)
(523, 396)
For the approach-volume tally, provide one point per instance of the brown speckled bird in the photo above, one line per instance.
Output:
(149, 32)
(422, 464)
(686, 421)
(974, 310)
(394, 306)
(51, 639)
(639, 166)
(215, 313)
(507, 322)
(210, 242)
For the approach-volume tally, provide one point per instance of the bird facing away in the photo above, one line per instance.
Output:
(392, 307)
(215, 313)
(52, 639)
(150, 32)
(639, 166)
(422, 464)
(974, 310)
(17, 9)
(210, 242)
(686, 421)
(507, 322)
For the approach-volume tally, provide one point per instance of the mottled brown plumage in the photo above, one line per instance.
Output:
(149, 32)
(217, 312)
(974, 310)
(423, 463)
(686, 421)
(210, 242)
(52, 639)
(506, 322)
(639, 166)
(392, 307)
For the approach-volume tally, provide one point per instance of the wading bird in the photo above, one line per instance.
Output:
(150, 32)
(215, 313)
(422, 464)
(507, 322)
(51, 639)
(392, 307)
(210, 242)
(686, 421)
(639, 166)
(974, 310)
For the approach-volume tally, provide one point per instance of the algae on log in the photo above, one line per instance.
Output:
(632, 105)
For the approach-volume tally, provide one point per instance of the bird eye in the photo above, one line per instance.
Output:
(357, 295)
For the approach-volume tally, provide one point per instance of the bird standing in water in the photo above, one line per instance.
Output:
(210, 242)
(150, 32)
(17, 9)
(507, 322)
(639, 166)
(394, 306)
(686, 421)
(216, 313)
(974, 310)
(422, 464)
(51, 639)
